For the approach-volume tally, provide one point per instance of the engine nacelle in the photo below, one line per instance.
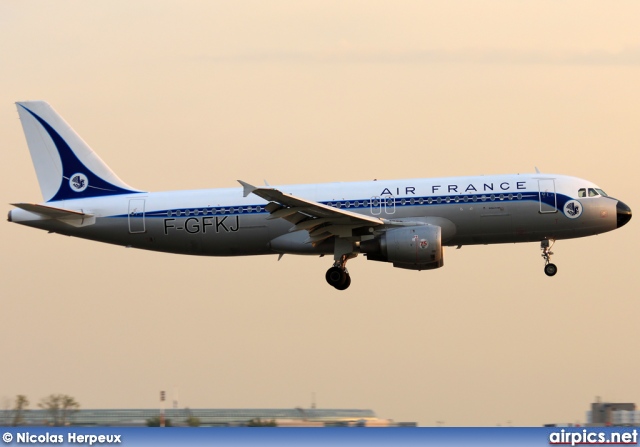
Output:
(415, 248)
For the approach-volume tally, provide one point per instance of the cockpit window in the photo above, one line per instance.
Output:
(591, 192)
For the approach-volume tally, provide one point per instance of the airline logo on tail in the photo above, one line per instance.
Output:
(79, 182)
(62, 158)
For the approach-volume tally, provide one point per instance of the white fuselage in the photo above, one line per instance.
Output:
(221, 222)
(403, 222)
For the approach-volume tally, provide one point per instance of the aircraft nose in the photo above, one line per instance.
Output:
(624, 213)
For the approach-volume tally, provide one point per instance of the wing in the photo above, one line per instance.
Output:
(321, 221)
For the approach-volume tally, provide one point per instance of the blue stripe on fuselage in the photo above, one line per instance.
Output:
(360, 204)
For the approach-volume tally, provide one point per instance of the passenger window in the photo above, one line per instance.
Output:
(592, 192)
(582, 192)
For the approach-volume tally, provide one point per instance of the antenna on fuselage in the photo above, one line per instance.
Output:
(537, 170)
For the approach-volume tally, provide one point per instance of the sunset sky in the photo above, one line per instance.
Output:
(198, 94)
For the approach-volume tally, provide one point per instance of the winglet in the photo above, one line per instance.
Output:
(247, 188)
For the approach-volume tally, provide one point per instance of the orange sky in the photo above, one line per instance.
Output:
(176, 95)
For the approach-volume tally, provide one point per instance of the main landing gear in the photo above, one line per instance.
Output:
(338, 276)
(549, 268)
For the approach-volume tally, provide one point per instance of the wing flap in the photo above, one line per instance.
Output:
(319, 220)
(308, 207)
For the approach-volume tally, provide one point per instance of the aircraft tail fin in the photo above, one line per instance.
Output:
(67, 168)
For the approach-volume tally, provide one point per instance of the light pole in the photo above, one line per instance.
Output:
(162, 396)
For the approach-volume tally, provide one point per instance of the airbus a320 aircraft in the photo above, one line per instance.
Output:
(404, 222)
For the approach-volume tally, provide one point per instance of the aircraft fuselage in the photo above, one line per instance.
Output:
(403, 222)
(220, 222)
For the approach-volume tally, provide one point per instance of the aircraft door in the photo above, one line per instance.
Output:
(547, 196)
(136, 216)
(390, 205)
(376, 205)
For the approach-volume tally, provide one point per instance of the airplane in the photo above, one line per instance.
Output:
(403, 222)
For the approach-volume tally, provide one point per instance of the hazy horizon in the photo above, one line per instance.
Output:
(176, 95)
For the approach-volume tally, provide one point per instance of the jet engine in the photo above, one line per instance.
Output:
(415, 248)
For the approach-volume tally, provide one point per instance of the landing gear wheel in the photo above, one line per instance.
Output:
(336, 277)
(347, 283)
(550, 269)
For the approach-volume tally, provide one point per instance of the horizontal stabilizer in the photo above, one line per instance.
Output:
(74, 218)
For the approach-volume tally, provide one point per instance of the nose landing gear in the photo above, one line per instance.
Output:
(549, 268)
